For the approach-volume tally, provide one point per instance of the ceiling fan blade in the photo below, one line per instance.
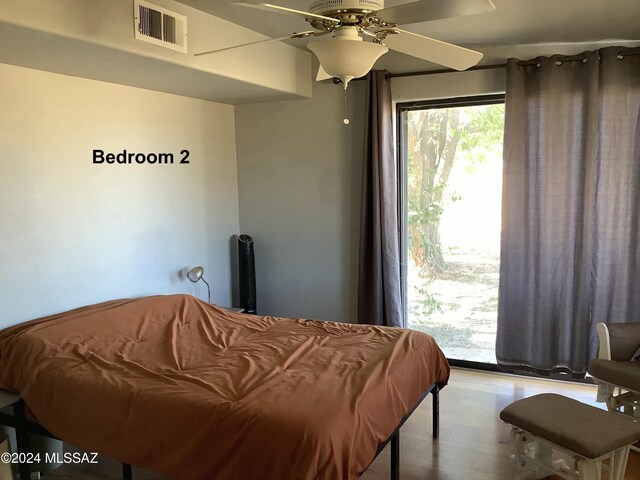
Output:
(442, 53)
(271, 8)
(427, 10)
(322, 75)
(288, 37)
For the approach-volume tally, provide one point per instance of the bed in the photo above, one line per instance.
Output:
(189, 390)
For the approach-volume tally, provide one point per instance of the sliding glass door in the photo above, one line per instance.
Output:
(451, 153)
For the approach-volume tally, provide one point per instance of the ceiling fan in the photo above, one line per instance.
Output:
(363, 30)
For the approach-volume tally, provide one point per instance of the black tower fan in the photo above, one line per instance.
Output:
(247, 265)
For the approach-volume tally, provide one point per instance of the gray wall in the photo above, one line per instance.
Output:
(73, 233)
(299, 176)
(299, 173)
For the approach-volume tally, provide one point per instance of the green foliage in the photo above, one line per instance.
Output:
(437, 138)
(428, 302)
(484, 130)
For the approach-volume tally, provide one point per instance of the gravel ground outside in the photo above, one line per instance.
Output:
(467, 295)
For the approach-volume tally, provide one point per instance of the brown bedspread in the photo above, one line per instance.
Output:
(189, 390)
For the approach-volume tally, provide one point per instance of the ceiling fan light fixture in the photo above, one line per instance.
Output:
(347, 56)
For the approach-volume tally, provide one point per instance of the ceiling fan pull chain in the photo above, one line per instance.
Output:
(346, 114)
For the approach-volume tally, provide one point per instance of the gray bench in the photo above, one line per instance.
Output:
(590, 439)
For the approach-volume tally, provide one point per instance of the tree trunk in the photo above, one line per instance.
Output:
(436, 135)
(439, 151)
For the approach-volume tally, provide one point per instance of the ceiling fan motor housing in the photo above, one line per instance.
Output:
(329, 6)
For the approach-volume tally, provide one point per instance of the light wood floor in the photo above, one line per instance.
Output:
(473, 443)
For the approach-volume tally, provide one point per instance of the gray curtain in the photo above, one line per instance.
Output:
(379, 286)
(571, 208)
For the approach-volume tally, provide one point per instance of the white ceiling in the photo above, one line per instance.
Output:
(518, 28)
(95, 40)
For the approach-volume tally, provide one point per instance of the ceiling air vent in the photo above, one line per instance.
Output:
(160, 26)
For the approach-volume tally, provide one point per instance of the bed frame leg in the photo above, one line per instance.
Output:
(22, 438)
(127, 473)
(395, 456)
(435, 394)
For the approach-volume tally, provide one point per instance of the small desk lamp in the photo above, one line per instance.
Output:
(195, 275)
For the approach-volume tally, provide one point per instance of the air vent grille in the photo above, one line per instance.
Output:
(159, 26)
(169, 29)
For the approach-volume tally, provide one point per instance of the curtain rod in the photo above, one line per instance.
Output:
(445, 70)
(522, 63)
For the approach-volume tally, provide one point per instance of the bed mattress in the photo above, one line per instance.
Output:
(192, 391)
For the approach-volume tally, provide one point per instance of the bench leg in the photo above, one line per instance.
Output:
(531, 456)
(619, 463)
(545, 454)
(589, 469)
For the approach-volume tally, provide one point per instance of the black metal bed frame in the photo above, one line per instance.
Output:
(394, 438)
(24, 427)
